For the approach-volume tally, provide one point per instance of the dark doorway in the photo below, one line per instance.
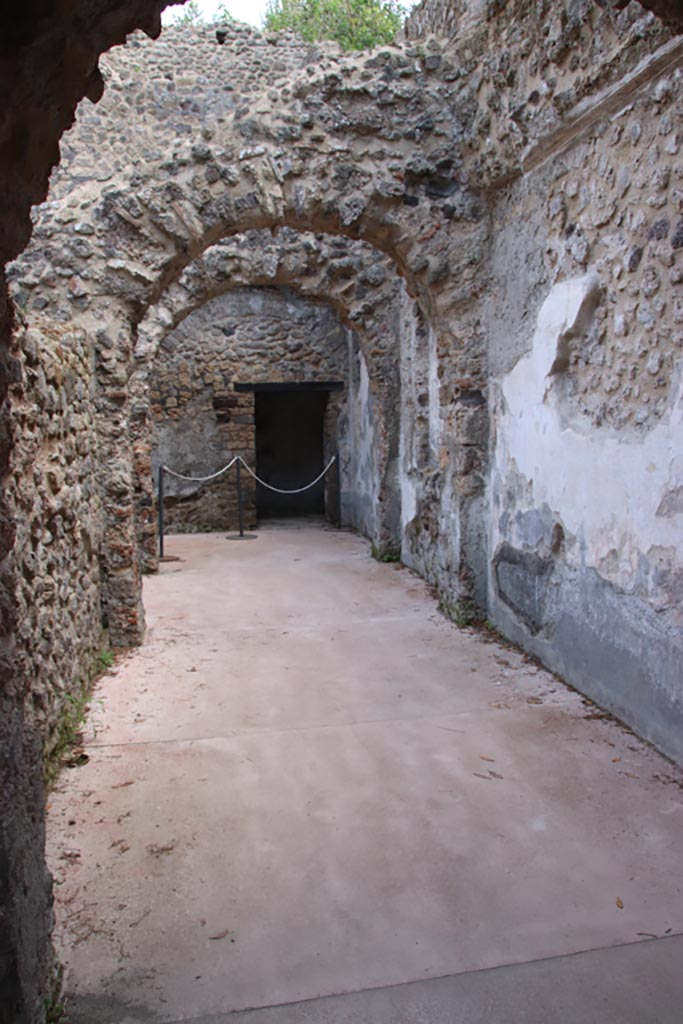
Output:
(289, 451)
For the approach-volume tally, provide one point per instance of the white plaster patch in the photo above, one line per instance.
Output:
(434, 403)
(408, 469)
(606, 489)
(360, 481)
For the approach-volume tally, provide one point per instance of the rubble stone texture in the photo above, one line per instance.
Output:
(201, 422)
(56, 507)
(361, 286)
(48, 62)
(518, 170)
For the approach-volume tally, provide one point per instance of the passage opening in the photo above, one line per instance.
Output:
(289, 451)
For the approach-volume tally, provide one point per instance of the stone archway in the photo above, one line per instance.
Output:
(352, 278)
(406, 192)
(267, 374)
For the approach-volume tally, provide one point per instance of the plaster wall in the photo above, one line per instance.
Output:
(430, 535)
(359, 457)
(585, 536)
(415, 454)
(586, 514)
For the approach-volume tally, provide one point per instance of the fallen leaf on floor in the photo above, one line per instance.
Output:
(495, 775)
(481, 776)
(534, 700)
(499, 705)
(120, 785)
(221, 935)
(620, 903)
(483, 757)
(630, 775)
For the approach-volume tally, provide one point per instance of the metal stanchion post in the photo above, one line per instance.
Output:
(241, 535)
(240, 510)
(160, 504)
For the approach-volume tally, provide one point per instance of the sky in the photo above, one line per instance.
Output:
(251, 11)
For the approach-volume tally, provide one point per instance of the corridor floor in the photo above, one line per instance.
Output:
(312, 797)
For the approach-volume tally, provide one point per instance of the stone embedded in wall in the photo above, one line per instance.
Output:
(669, 11)
(620, 193)
(119, 415)
(524, 583)
(57, 509)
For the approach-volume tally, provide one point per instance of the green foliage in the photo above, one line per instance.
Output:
(65, 748)
(354, 24)
(191, 14)
(67, 735)
(105, 659)
(55, 1010)
(385, 554)
(222, 13)
(463, 612)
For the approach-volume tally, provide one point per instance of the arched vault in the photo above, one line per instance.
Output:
(352, 277)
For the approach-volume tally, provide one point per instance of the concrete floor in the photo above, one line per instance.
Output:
(311, 797)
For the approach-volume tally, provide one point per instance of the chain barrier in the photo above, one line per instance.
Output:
(296, 490)
(202, 479)
(214, 476)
